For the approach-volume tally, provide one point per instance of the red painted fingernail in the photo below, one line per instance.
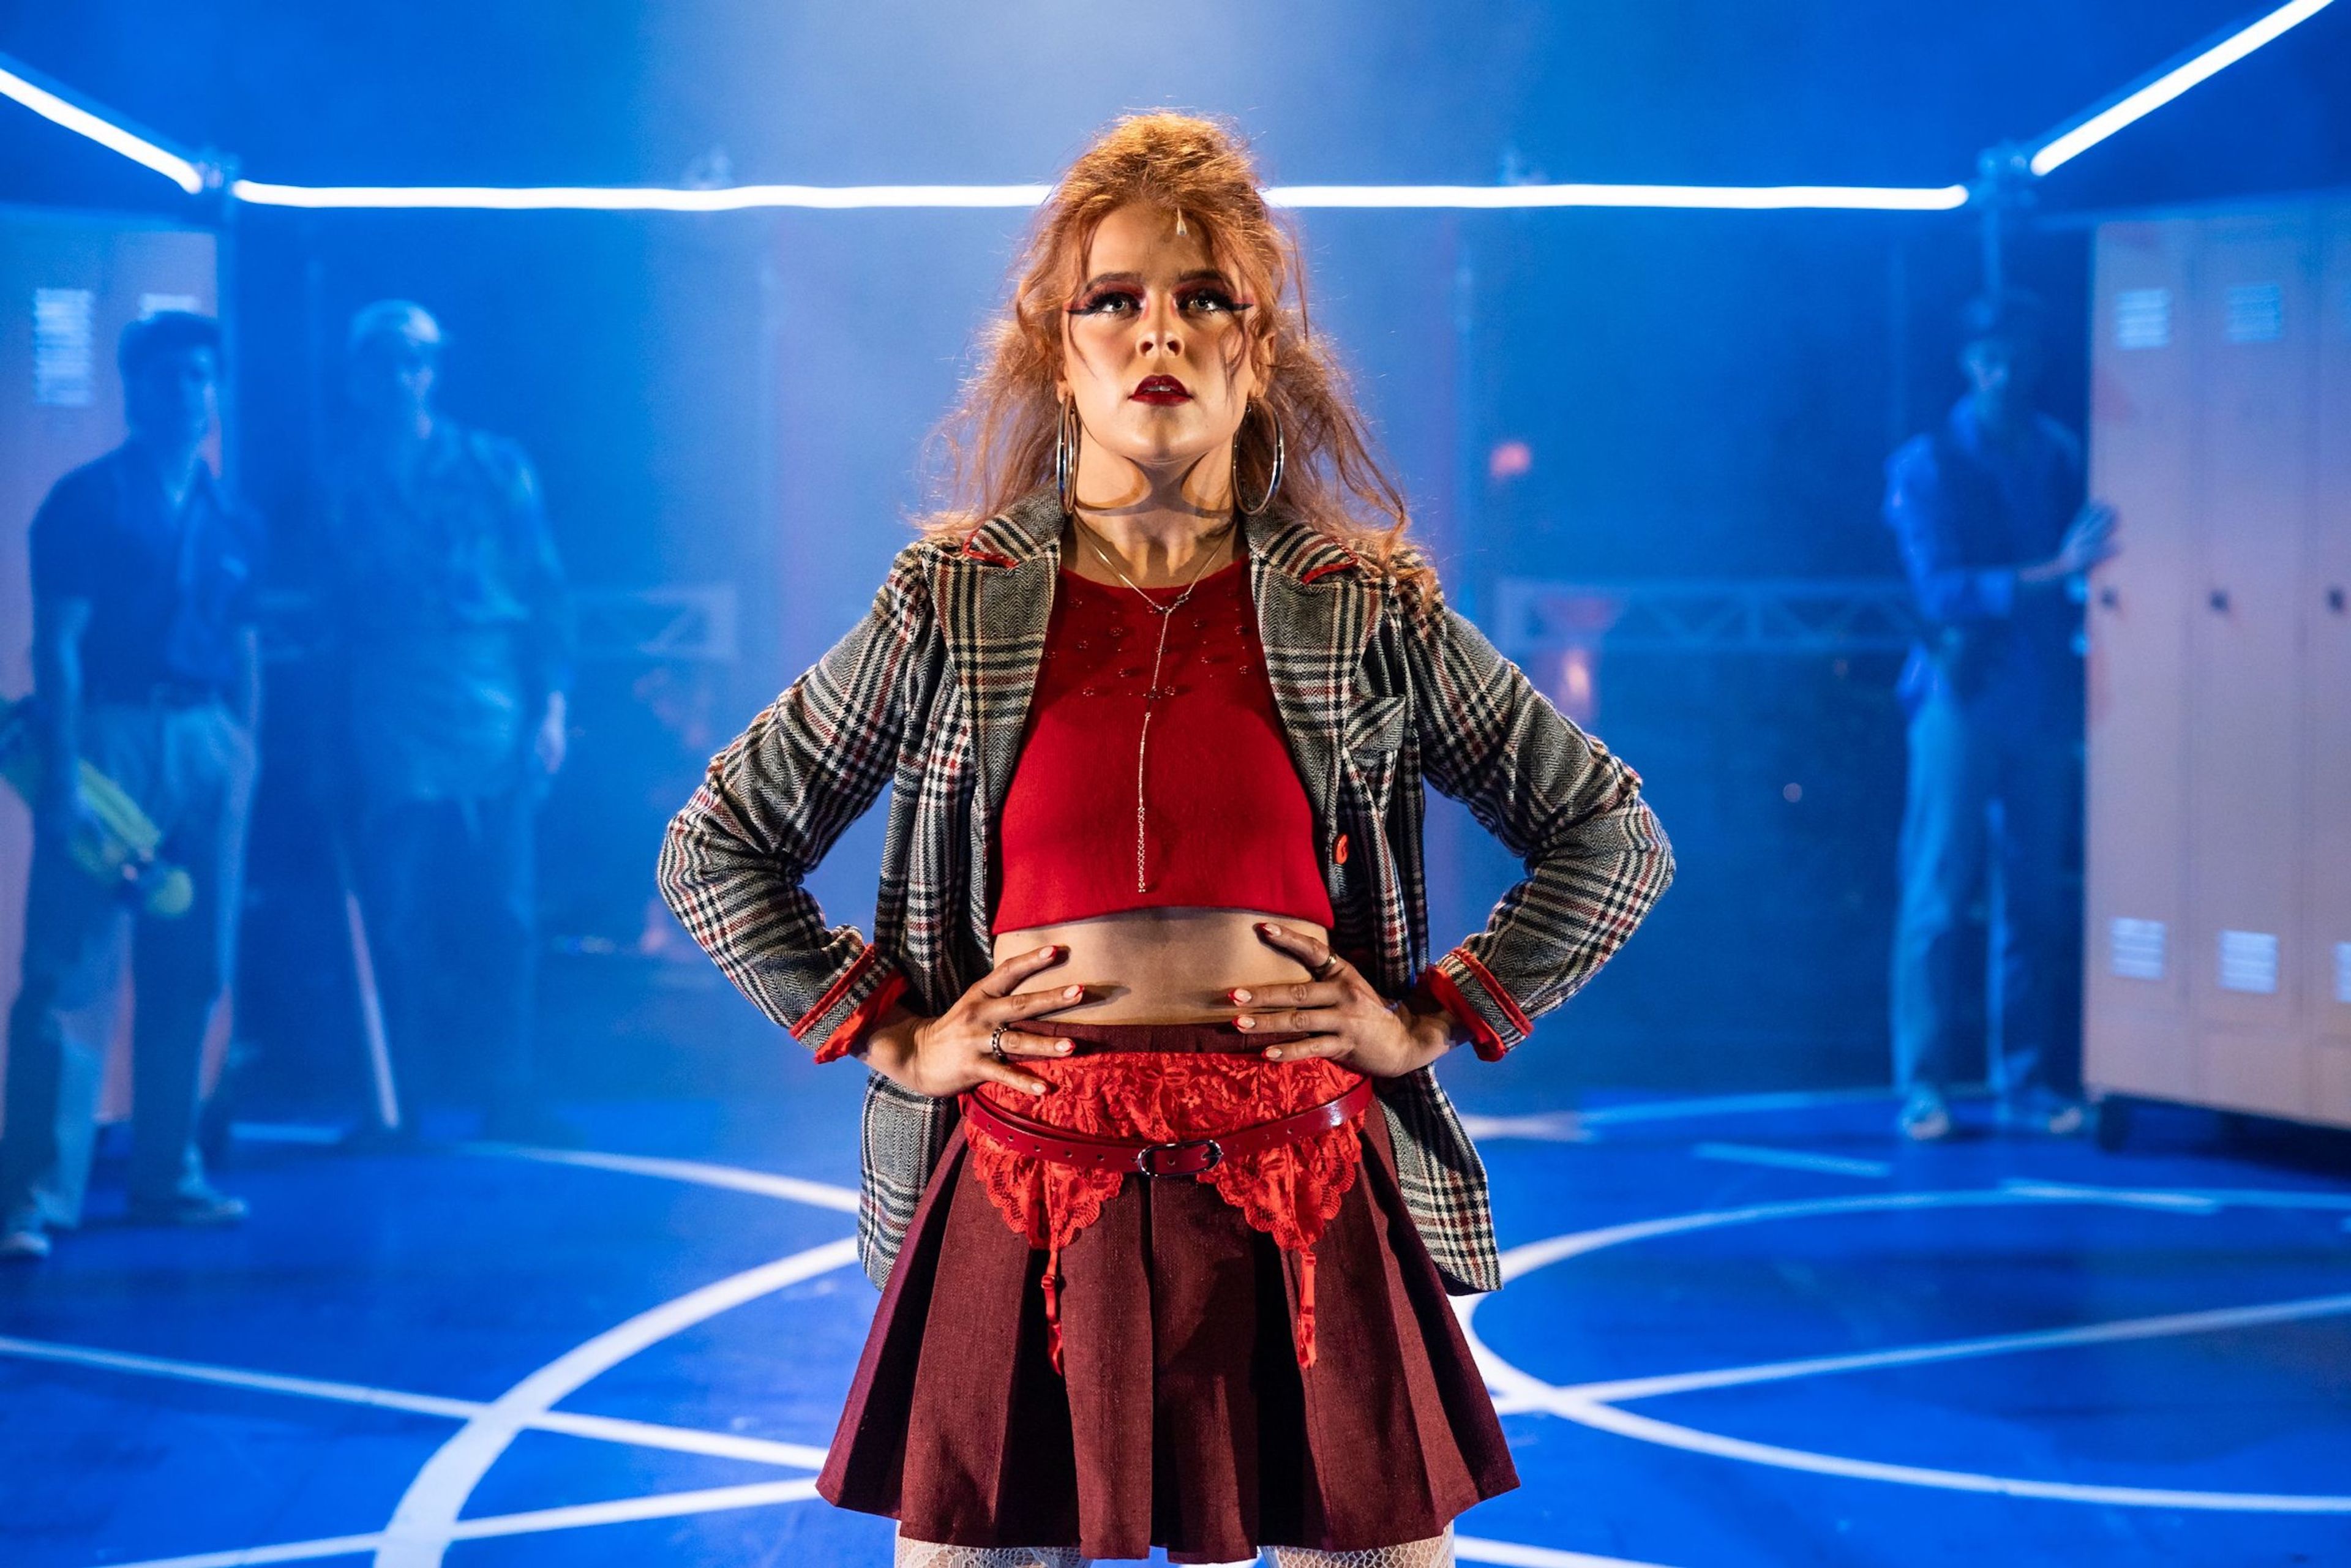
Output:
(1268, 927)
(1073, 990)
(1245, 1021)
(1237, 994)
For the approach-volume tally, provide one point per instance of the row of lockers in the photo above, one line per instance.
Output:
(2219, 963)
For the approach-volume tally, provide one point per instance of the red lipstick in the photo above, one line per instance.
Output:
(1164, 391)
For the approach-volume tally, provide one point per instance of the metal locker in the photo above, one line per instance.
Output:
(2325, 609)
(2137, 1035)
(2220, 730)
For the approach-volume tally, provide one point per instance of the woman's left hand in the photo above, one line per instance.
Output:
(1342, 1016)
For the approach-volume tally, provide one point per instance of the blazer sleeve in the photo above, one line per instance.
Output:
(733, 862)
(1596, 858)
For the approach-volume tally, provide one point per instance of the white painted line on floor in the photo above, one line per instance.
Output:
(603, 1428)
(1558, 1128)
(1471, 1549)
(1792, 1160)
(1625, 1423)
(2122, 1328)
(622, 1510)
(2222, 1196)
(1522, 1391)
(2185, 1202)
(427, 1520)
(735, 1178)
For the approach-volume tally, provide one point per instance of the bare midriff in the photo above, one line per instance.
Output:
(1158, 966)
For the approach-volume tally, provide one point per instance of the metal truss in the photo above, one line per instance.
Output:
(1775, 615)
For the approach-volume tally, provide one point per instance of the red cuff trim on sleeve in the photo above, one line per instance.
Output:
(832, 993)
(1482, 1038)
(842, 1041)
(1519, 1020)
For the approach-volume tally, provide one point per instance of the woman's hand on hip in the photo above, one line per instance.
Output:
(1343, 1018)
(974, 1041)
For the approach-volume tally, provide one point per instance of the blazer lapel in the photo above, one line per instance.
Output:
(1315, 613)
(995, 598)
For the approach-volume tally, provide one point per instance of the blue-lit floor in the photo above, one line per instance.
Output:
(1738, 1332)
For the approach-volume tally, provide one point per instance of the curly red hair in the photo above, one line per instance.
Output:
(1000, 440)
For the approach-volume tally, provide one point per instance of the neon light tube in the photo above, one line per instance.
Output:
(105, 132)
(1736, 198)
(739, 198)
(2138, 105)
(635, 198)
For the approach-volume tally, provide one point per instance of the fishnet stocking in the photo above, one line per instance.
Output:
(930, 1555)
(1434, 1553)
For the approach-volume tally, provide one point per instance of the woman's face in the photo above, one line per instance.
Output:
(1155, 353)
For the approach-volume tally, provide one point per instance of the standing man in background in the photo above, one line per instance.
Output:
(1995, 535)
(146, 664)
(456, 635)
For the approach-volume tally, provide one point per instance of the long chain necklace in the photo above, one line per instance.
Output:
(1152, 695)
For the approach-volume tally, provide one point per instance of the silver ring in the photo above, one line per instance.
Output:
(996, 1042)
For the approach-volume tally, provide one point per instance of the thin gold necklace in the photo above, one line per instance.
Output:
(1151, 693)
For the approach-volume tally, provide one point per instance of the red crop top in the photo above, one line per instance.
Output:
(1228, 823)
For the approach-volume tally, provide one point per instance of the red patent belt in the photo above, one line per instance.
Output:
(1184, 1157)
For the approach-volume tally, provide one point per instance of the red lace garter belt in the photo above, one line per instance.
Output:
(1277, 1140)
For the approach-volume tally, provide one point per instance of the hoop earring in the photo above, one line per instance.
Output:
(1273, 480)
(1065, 452)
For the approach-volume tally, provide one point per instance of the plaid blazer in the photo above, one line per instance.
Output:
(1378, 691)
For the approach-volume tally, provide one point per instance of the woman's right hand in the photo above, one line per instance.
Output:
(948, 1054)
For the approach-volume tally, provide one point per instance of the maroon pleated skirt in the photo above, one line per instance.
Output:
(1182, 1418)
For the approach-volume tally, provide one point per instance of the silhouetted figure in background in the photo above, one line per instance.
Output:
(145, 664)
(1995, 535)
(454, 631)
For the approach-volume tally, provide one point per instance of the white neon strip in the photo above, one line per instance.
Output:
(634, 198)
(105, 132)
(734, 1179)
(1742, 198)
(1791, 1160)
(739, 198)
(2172, 83)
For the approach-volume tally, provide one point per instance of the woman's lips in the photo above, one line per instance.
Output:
(1161, 389)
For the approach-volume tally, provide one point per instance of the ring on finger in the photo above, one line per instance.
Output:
(996, 1042)
(1327, 968)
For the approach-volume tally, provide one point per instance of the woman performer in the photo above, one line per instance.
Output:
(1158, 702)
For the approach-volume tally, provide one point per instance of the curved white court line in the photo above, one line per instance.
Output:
(1521, 1391)
(602, 1428)
(427, 1520)
(621, 1510)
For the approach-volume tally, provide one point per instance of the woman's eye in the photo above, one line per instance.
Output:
(1211, 301)
(1110, 302)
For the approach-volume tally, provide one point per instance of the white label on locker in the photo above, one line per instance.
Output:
(64, 348)
(2143, 318)
(156, 304)
(2256, 313)
(2134, 948)
(2249, 961)
(2343, 971)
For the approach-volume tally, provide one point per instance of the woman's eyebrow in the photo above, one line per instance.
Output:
(1099, 278)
